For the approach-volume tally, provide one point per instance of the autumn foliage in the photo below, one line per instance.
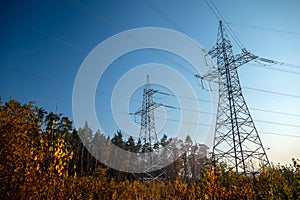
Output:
(41, 157)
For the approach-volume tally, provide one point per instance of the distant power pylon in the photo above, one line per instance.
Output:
(236, 140)
(148, 136)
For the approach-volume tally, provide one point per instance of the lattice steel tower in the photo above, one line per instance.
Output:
(236, 139)
(148, 136)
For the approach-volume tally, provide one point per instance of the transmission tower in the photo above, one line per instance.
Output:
(148, 136)
(236, 140)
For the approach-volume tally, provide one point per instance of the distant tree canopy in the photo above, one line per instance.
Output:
(25, 126)
(43, 157)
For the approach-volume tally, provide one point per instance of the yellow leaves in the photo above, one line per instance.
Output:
(59, 169)
(71, 155)
(61, 156)
(115, 195)
(38, 168)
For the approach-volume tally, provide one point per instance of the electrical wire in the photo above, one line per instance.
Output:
(275, 112)
(108, 94)
(62, 82)
(32, 53)
(213, 11)
(272, 92)
(285, 135)
(172, 120)
(102, 19)
(262, 121)
(94, 14)
(277, 123)
(163, 93)
(273, 62)
(164, 16)
(274, 68)
(59, 40)
(264, 28)
(115, 27)
(220, 17)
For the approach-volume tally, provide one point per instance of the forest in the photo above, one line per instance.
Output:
(44, 157)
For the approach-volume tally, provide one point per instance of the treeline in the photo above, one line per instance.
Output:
(43, 157)
(189, 159)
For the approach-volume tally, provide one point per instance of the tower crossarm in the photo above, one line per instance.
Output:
(150, 92)
(239, 60)
(243, 58)
(148, 108)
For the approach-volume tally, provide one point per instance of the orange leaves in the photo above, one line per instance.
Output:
(35, 165)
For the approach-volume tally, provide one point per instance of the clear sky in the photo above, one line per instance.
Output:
(43, 44)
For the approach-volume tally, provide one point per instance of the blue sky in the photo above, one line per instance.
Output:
(43, 44)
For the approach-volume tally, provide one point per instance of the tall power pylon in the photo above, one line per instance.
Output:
(148, 136)
(236, 139)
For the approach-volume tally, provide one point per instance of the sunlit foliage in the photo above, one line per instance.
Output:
(42, 157)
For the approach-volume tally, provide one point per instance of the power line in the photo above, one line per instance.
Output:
(269, 66)
(172, 107)
(275, 62)
(37, 75)
(185, 97)
(248, 88)
(32, 53)
(102, 19)
(220, 17)
(231, 32)
(251, 108)
(55, 79)
(277, 123)
(94, 14)
(264, 28)
(177, 63)
(262, 121)
(163, 93)
(261, 65)
(164, 16)
(286, 135)
(136, 100)
(29, 98)
(213, 11)
(172, 120)
(201, 124)
(207, 125)
(59, 40)
(274, 68)
(275, 112)
(272, 92)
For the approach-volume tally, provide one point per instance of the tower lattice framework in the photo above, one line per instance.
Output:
(236, 140)
(148, 135)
